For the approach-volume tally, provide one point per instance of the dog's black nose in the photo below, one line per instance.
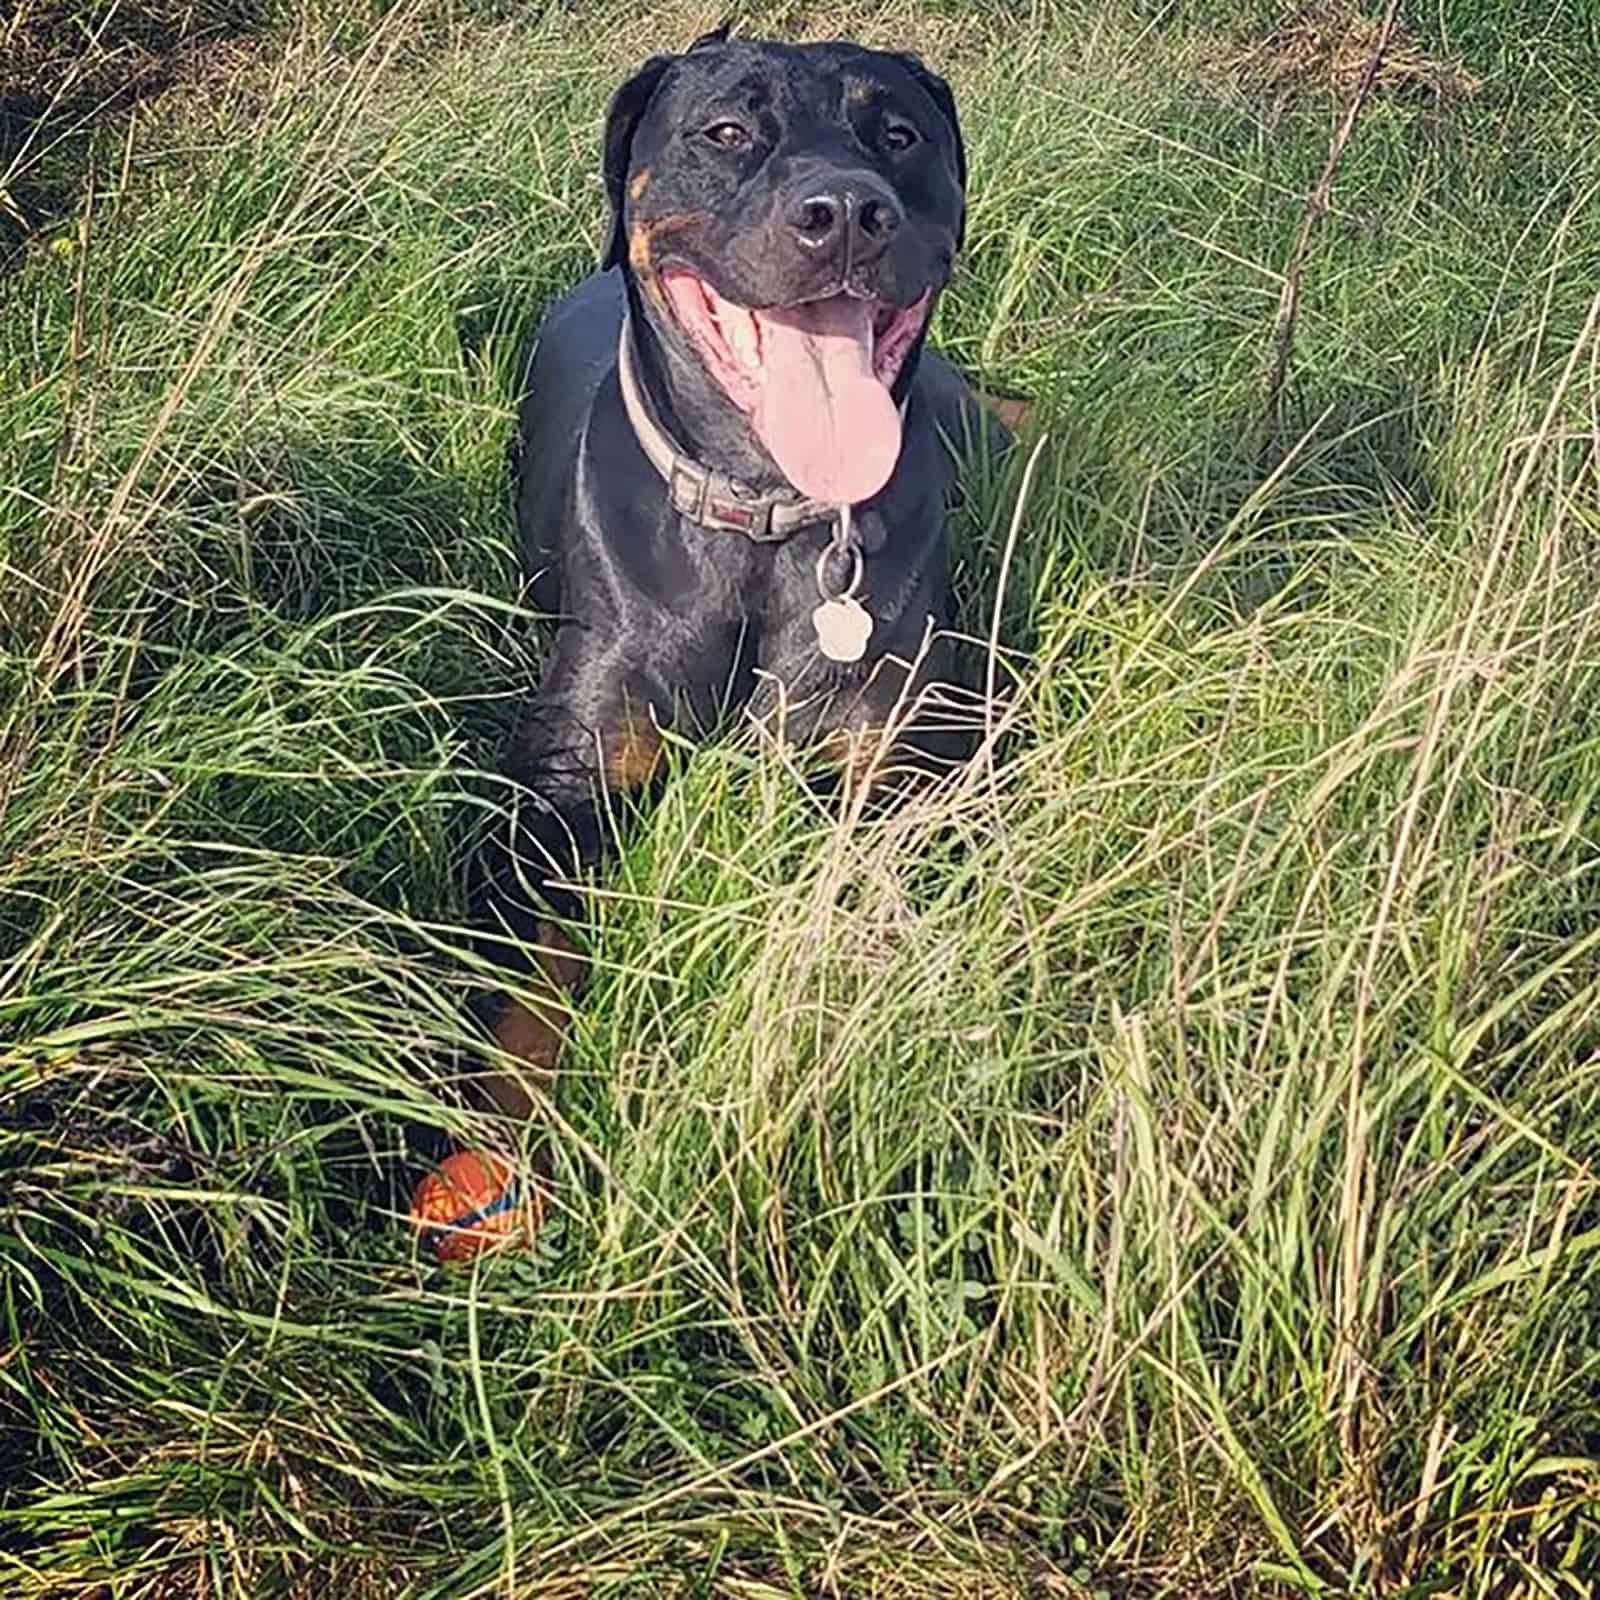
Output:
(855, 212)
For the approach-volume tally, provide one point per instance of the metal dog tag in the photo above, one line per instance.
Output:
(842, 623)
(843, 628)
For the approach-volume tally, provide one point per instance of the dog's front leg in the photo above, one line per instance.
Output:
(589, 731)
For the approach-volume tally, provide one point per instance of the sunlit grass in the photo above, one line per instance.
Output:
(1159, 1161)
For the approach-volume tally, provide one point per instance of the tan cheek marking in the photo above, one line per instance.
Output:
(639, 250)
(640, 182)
(642, 238)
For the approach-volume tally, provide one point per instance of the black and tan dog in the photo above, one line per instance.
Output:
(735, 455)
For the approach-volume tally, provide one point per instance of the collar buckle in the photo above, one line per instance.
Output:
(717, 504)
(735, 514)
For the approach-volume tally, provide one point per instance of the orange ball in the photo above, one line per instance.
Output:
(472, 1202)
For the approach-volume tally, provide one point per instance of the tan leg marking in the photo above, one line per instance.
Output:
(532, 1032)
(631, 752)
(1011, 409)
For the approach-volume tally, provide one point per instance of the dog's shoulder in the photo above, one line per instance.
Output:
(570, 356)
(954, 410)
(573, 348)
(571, 352)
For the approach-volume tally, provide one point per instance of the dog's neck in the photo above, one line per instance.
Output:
(702, 421)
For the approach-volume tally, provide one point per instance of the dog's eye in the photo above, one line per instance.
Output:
(729, 135)
(898, 136)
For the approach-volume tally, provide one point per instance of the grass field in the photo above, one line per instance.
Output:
(1163, 1161)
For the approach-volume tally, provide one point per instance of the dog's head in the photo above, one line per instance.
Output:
(789, 214)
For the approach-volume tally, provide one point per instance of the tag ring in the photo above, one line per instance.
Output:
(857, 569)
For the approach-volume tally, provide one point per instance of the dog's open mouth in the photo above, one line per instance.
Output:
(814, 379)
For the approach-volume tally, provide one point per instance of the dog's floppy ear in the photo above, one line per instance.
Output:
(939, 93)
(628, 105)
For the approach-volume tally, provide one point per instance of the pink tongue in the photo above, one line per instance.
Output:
(823, 417)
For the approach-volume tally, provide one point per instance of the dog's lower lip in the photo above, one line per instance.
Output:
(740, 363)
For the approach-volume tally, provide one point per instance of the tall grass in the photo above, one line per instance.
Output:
(1160, 1161)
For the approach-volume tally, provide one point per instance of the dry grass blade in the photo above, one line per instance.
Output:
(1315, 207)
